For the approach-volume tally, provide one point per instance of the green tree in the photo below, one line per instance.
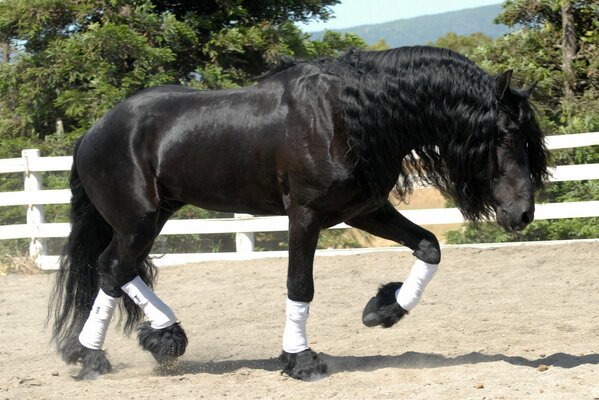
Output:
(75, 60)
(71, 61)
(379, 45)
(461, 43)
(567, 99)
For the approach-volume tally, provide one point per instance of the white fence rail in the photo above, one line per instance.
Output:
(32, 165)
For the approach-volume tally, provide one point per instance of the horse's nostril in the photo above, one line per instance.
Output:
(527, 217)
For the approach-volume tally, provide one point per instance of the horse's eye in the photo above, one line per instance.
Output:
(509, 142)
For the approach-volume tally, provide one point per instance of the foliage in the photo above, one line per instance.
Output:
(379, 46)
(74, 60)
(462, 44)
(538, 13)
(580, 228)
(17, 265)
(534, 53)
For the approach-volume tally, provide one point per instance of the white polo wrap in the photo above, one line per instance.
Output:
(93, 333)
(294, 337)
(410, 292)
(157, 312)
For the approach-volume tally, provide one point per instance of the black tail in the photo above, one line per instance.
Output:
(76, 284)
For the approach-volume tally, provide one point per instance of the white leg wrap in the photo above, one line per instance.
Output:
(158, 313)
(294, 337)
(410, 292)
(94, 331)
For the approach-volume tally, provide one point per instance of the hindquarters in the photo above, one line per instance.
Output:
(76, 282)
(118, 177)
(80, 277)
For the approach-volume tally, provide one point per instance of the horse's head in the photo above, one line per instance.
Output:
(521, 160)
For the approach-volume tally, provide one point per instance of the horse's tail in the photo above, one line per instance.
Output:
(77, 283)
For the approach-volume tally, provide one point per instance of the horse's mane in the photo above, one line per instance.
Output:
(283, 64)
(440, 108)
(433, 106)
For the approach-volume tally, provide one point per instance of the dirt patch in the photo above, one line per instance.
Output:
(504, 323)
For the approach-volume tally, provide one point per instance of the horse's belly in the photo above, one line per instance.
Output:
(229, 194)
(230, 203)
(231, 170)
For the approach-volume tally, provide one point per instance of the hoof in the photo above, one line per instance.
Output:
(166, 345)
(305, 365)
(93, 362)
(383, 309)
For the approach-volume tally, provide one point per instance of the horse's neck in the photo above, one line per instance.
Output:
(404, 132)
(427, 120)
(406, 129)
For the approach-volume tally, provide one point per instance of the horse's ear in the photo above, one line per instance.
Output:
(528, 91)
(502, 83)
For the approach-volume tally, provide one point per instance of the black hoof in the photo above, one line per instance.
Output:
(305, 365)
(93, 362)
(383, 309)
(166, 345)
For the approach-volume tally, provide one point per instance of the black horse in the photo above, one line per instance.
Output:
(322, 142)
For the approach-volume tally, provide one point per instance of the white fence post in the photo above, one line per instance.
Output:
(35, 212)
(244, 242)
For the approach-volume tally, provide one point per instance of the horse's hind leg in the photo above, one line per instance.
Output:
(163, 336)
(167, 343)
(86, 348)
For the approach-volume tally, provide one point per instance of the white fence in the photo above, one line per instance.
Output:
(36, 230)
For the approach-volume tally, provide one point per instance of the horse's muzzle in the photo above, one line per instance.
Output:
(515, 217)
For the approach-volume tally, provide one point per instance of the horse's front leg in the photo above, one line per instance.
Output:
(395, 299)
(297, 359)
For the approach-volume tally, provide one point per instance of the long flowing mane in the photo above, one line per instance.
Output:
(431, 113)
(439, 113)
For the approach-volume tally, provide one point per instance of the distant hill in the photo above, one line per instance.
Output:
(421, 30)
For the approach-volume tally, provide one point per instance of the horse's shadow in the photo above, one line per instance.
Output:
(408, 360)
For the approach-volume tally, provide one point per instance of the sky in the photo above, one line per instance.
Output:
(350, 13)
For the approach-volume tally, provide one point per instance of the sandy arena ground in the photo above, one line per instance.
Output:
(504, 323)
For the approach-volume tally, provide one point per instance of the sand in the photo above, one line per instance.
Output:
(503, 323)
